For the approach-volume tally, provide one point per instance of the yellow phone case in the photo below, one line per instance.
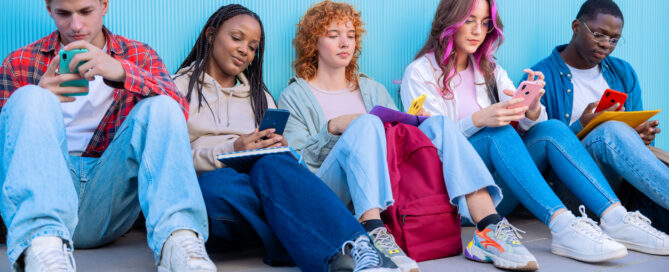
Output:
(417, 104)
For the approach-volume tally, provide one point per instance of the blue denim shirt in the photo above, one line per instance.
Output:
(559, 97)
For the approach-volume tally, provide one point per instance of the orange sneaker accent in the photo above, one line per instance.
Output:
(487, 240)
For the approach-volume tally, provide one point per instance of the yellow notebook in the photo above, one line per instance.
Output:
(632, 118)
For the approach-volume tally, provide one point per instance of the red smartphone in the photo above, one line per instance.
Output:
(527, 90)
(609, 98)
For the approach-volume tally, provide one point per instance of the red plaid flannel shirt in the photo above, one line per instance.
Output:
(146, 76)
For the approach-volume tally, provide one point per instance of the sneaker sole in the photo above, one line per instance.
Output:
(565, 252)
(473, 253)
(642, 249)
(405, 264)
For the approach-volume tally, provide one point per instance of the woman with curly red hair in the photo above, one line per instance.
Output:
(346, 147)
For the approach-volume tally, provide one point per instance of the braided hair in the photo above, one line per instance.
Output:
(202, 51)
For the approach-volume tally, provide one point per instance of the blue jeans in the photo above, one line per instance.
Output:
(518, 163)
(282, 204)
(621, 154)
(93, 201)
(357, 167)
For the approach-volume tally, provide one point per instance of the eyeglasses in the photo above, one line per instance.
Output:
(486, 25)
(603, 38)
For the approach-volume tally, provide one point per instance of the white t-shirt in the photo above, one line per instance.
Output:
(589, 86)
(83, 115)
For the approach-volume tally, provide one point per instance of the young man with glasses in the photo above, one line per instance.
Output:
(577, 74)
(75, 171)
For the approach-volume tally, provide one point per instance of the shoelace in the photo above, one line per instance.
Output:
(587, 226)
(383, 238)
(505, 230)
(641, 221)
(364, 255)
(193, 247)
(53, 261)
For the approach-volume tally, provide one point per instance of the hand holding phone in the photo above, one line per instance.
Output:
(610, 98)
(417, 104)
(66, 57)
(528, 90)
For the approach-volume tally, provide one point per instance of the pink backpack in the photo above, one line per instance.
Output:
(422, 220)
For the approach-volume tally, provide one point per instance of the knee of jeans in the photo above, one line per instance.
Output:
(368, 120)
(160, 107)
(33, 102)
(553, 128)
(216, 185)
(613, 130)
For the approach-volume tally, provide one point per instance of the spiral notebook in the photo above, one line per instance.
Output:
(242, 161)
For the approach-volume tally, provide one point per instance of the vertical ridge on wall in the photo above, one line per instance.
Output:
(396, 29)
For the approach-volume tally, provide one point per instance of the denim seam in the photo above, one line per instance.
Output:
(368, 201)
(567, 156)
(494, 143)
(605, 142)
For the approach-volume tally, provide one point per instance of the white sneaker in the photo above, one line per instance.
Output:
(636, 233)
(184, 251)
(583, 240)
(49, 254)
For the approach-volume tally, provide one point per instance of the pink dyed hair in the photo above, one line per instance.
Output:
(483, 55)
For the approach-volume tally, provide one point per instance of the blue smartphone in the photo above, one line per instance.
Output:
(65, 59)
(276, 119)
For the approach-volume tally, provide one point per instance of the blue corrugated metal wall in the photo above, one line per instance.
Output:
(396, 29)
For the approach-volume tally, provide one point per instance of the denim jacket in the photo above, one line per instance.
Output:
(559, 97)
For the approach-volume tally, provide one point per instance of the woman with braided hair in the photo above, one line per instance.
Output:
(278, 203)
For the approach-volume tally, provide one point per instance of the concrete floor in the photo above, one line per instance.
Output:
(130, 253)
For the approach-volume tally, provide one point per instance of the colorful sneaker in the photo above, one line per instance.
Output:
(385, 242)
(500, 245)
(184, 251)
(583, 240)
(366, 258)
(636, 233)
(49, 254)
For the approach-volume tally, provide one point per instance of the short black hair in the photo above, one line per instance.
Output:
(591, 8)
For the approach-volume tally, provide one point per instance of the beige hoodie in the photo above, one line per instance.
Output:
(213, 129)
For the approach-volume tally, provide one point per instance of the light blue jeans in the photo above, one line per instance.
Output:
(621, 154)
(517, 162)
(89, 202)
(357, 167)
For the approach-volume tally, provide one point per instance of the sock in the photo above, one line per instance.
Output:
(561, 221)
(372, 224)
(614, 216)
(488, 220)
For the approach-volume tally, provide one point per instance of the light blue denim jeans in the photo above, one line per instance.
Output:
(621, 154)
(89, 202)
(357, 167)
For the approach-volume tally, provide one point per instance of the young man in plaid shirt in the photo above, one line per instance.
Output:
(75, 171)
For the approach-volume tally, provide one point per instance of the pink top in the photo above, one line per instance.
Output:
(465, 93)
(340, 102)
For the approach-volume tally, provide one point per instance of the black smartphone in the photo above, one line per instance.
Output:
(276, 119)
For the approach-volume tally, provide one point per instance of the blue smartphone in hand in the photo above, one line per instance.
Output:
(276, 119)
(65, 59)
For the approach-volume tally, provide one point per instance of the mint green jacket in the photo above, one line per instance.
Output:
(307, 130)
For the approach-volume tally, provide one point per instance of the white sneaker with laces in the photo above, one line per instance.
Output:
(583, 240)
(636, 233)
(49, 254)
(385, 242)
(184, 251)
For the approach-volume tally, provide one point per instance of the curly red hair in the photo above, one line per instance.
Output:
(314, 25)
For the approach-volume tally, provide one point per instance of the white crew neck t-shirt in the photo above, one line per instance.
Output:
(589, 86)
